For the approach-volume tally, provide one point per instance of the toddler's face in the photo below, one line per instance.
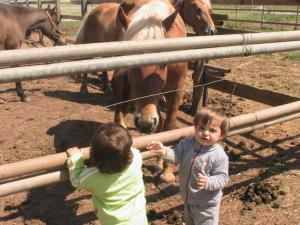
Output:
(209, 134)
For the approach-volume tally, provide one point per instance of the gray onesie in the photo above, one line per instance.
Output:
(201, 207)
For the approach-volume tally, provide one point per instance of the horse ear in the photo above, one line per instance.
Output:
(53, 10)
(168, 22)
(121, 16)
(178, 4)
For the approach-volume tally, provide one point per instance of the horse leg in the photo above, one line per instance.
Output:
(119, 94)
(173, 101)
(83, 88)
(106, 83)
(20, 92)
(41, 37)
(205, 92)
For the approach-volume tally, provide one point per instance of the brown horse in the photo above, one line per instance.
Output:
(141, 20)
(195, 13)
(18, 21)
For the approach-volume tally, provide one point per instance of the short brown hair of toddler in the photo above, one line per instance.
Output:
(110, 148)
(207, 114)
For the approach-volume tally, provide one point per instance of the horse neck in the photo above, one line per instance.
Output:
(32, 19)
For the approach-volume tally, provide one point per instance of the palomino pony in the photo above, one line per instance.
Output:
(195, 13)
(18, 21)
(141, 20)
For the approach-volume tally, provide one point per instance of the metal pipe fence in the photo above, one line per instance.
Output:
(131, 61)
(238, 125)
(72, 52)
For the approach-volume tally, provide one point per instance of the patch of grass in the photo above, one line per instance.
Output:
(295, 56)
(70, 27)
(251, 15)
(274, 7)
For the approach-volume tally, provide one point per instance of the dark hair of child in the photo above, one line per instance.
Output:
(206, 115)
(110, 148)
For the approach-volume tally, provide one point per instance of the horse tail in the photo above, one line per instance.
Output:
(80, 32)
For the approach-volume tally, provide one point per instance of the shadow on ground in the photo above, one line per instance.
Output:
(72, 133)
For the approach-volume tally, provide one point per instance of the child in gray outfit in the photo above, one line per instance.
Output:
(203, 170)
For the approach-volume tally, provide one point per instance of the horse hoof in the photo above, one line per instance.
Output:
(167, 177)
(84, 92)
(25, 98)
(160, 165)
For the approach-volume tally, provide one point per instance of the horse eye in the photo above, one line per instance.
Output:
(198, 9)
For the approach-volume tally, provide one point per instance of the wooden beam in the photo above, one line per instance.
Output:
(216, 16)
(71, 17)
(249, 92)
(217, 68)
(222, 30)
(263, 22)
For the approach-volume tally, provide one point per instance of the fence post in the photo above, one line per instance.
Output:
(297, 18)
(236, 10)
(84, 4)
(262, 17)
(39, 4)
(57, 4)
(198, 86)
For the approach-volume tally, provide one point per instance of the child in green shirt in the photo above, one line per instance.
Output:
(115, 181)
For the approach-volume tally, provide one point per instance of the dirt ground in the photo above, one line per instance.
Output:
(264, 165)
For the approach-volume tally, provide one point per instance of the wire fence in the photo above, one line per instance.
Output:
(266, 17)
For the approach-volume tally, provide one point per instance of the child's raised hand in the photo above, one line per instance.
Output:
(157, 147)
(72, 151)
(202, 181)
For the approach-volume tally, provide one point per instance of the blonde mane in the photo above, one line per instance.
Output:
(146, 22)
(207, 3)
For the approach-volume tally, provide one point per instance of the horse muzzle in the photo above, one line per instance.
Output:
(146, 125)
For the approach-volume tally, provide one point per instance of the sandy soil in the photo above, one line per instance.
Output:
(59, 117)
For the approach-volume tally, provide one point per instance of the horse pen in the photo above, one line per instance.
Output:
(59, 117)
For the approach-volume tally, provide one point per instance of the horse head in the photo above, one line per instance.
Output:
(50, 26)
(196, 13)
(148, 21)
